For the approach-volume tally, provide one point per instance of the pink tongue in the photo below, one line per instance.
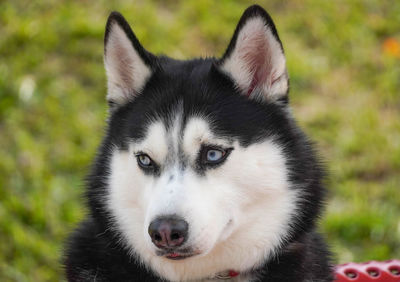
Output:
(173, 255)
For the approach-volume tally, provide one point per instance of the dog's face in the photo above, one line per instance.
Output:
(202, 156)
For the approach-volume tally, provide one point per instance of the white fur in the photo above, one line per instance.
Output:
(154, 144)
(126, 71)
(238, 213)
(197, 132)
(255, 40)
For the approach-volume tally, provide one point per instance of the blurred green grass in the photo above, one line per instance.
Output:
(345, 93)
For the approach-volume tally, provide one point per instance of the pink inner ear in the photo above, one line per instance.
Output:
(125, 66)
(255, 52)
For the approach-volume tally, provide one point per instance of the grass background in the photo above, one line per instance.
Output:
(344, 64)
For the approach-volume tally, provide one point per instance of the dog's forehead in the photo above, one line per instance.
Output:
(168, 140)
(192, 107)
(197, 131)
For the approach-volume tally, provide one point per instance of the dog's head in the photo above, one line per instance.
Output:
(203, 169)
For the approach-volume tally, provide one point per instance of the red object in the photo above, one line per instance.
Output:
(387, 271)
(233, 273)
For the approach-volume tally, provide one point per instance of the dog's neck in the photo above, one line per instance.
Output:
(292, 250)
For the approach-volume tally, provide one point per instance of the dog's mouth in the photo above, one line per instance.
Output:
(187, 252)
(178, 254)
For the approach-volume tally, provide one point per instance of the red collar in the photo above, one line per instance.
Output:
(225, 275)
(233, 273)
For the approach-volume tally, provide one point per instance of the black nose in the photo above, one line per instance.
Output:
(168, 231)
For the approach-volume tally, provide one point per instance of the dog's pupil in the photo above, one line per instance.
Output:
(212, 155)
(144, 160)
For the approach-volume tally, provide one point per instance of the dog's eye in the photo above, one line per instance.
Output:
(144, 160)
(213, 155)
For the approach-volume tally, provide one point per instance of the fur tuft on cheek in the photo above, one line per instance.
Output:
(128, 200)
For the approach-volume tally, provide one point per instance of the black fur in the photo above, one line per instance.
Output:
(95, 252)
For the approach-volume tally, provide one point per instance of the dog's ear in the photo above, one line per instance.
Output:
(255, 59)
(128, 65)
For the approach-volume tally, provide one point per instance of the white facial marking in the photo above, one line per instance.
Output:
(154, 144)
(197, 132)
(238, 213)
(126, 202)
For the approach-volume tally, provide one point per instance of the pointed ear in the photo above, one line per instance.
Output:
(128, 65)
(255, 59)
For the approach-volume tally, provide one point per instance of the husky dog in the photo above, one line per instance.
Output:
(203, 174)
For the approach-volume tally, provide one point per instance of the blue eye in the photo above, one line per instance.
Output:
(144, 160)
(214, 155)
